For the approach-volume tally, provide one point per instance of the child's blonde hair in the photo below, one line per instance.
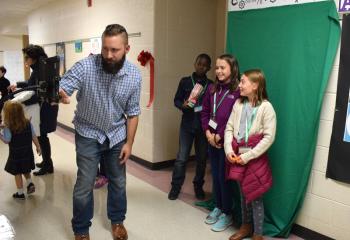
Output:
(14, 117)
(257, 76)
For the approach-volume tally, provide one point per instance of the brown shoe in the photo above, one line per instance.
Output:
(82, 237)
(257, 237)
(119, 232)
(245, 230)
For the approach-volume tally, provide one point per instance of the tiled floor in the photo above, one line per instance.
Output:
(47, 213)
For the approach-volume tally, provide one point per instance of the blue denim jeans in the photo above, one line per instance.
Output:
(188, 135)
(88, 154)
(223, 190)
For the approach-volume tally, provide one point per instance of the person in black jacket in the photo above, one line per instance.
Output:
(48, 113)
(191, 129)
(4, 84)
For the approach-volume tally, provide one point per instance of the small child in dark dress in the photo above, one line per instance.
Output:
(18, 133)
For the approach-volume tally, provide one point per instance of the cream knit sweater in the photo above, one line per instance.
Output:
(264, 123)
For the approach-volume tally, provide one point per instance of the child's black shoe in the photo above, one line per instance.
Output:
(18, 196)
(174, 193)
(30, 188)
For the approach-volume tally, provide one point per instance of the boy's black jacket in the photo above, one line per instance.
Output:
(183, 92)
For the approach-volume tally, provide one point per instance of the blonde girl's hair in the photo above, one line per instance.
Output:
(257, 76)
(14, 117)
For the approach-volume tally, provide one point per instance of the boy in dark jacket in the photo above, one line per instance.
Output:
(188, 99)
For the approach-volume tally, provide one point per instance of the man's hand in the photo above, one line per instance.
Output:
(64, 98)
(125, 153)
(131, 127)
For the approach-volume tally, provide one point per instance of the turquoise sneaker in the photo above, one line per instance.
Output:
(213, 216)
(223, 222)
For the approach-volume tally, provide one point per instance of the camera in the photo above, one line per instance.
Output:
(48, 79)
(47, 83)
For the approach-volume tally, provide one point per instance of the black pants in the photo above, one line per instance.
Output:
(45, 146)
(186, 139)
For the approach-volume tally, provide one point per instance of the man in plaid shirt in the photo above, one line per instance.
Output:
(108, 95)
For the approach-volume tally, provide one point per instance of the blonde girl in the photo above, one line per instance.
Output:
(249, 133)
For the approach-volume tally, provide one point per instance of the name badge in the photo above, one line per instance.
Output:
(213, 124)
(198, 109)
(242, 150)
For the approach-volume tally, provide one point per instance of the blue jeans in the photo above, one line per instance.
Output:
(88, 154)
(186, 138)
(222, 189)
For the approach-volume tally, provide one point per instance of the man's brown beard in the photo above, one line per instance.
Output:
(114, 67)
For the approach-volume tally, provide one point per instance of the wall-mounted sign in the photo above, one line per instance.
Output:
(78, 46)
(240, 5)
(344, 6)
(61, 52)
(96, 44)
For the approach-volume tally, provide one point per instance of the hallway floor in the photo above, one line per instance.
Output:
(151, 216)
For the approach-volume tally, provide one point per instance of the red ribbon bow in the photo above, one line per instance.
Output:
(144, 58)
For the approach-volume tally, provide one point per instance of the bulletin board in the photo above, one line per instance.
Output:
(13, 61)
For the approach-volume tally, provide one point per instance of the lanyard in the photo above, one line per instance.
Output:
(248, 125)
(192, 80)
(215, 108)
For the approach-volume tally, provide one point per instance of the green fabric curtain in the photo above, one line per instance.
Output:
(295, 46)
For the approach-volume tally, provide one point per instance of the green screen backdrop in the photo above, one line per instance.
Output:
(295, 46)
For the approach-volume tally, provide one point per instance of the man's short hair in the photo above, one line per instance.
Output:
(3, 69)
(115, 30)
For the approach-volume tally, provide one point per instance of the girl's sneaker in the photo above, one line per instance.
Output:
(100, 181)
(30, 188)
(213, 216)
(18, 196)
(223, 222)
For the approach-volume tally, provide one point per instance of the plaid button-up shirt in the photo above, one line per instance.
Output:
(104, 99)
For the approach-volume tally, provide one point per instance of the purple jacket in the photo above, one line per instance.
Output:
(255, 177)
(222, 113)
